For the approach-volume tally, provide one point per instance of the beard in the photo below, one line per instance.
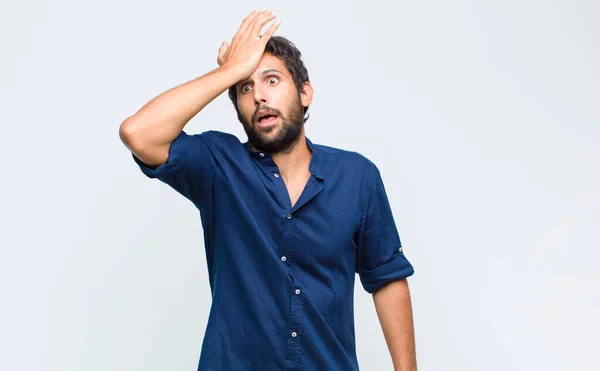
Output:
(288, 131)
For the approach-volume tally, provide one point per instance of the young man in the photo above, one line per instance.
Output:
(287, 223)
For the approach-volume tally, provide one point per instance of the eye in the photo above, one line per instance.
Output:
(243, 88)
(273, 80)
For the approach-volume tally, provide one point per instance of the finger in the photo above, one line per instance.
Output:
(260, 22)
(222, 51)
(223, 48)
(248, 20)
(245, 23)
(270, 31)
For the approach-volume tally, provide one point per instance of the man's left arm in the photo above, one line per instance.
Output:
(383, 269)
(394, 310)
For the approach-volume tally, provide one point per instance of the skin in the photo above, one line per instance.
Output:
(394, 310)
(271, 87)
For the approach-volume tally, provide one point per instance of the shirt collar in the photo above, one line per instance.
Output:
(314, 166)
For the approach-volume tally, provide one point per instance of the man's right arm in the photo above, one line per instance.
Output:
(149, 132)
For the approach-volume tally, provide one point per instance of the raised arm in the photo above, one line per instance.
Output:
(149, 132)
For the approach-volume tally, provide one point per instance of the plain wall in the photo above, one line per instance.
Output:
(483, 117)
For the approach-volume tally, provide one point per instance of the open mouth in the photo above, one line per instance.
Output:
(265, 119)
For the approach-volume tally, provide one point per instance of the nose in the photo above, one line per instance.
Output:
(260, 95)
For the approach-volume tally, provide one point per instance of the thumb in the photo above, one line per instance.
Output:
(222, 51)
(223, 47)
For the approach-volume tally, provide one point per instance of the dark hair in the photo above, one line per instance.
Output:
(284, 49)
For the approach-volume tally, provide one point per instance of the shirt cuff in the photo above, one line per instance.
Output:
(397, 268)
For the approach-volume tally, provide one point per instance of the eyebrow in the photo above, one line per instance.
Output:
(263, 73)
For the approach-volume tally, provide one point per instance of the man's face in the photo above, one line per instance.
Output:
(271, 108)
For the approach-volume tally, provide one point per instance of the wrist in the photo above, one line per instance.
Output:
(232, 73)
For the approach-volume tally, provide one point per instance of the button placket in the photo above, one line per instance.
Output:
(289, 241)
(286, 248)
(293, 345)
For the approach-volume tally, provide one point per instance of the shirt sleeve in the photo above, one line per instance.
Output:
(189, 168)
(380, 257)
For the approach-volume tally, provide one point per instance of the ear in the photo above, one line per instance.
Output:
(306, 94)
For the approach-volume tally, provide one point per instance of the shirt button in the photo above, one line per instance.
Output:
(262, 154)
(297, 292)
(276, 175)
(294, 334)
(289, 216)
(283, 258)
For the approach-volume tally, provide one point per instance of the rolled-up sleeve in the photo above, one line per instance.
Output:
(189, 168)
(380, 256)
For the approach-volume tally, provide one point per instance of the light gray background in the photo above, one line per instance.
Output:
(483, 117)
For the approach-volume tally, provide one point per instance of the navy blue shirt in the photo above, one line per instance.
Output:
(281, 276)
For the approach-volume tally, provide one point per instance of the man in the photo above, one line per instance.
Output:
(287, 223)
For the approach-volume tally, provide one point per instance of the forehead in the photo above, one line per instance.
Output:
(268, 62)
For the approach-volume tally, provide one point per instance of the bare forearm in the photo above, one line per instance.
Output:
(394, 309)
(150, 132)
(160, 120)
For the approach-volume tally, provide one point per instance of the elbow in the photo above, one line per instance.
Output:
(135, 139)
(127, 133)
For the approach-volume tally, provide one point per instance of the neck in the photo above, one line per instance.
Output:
(295, 160)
